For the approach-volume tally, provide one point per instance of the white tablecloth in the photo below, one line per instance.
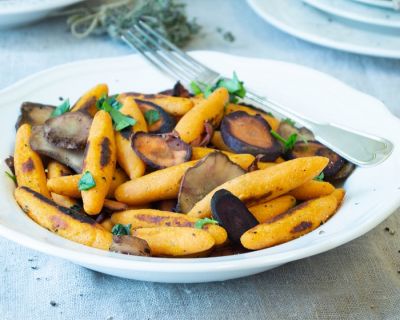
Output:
(360, 280)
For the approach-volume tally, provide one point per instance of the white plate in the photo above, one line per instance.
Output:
(357, 12)
(379, 3)
(302, 21)
(19, 12)
(372, 194)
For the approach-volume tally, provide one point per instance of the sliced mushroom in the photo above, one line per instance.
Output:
(70, 158)
(232, 214)
(344, 172)
(210, 172)
(160, 150)
(34, 113)
(69, 130)
(205, 138)
(228, 250)
(165, 124)
(130, 245)
(177, 91)
(244, 133)
(314, 148)
(9, 161)
(286, 130)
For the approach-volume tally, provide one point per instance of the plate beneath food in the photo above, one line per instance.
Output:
(372, 194)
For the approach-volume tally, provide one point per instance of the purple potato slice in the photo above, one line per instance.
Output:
(244, 133)
(165, 124)
(232, 214)
(160, 151)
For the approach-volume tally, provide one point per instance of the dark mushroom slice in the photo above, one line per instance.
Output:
(228, 250)
(232, 214)
(244, 133)
(166, 122)
(199, 180)
(71, 158)
(69, 130)
(34, 113)
(177, 91)
(160, 151)
(205, 138)
(344, 172)
(314, 148)
(130, 245)
(9, 161)
(285, 130)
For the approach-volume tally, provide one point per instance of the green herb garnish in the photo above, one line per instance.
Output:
(234, 86)
(61, 109)
(121, 230)
(320, 177)
(289, 122)
(152, 116)
(11, 176)
(199, 224)
(112, 106)
(287, 143)
(86, 182)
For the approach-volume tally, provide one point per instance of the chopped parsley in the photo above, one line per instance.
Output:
(288, 143)
(234, 86)
(199, 224)
(11, 176)
(320, 177)
(61, 109)
(86, 182)
(121, 229)
(112, 106)
(152, 116)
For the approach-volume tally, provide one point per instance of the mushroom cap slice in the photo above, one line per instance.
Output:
(69, 130)
(130, 245)
(210, 172)
(165, 124)
(71, 158)
(34, 113)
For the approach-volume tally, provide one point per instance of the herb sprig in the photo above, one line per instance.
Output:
(121, 229)
(11, 176)
(86, 182)
(112, 106)
(151, 116)
(288, 143)
(199, 224)
(320, 177)
(61, 109)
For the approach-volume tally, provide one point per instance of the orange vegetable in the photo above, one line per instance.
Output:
(54, 170)
(87, 102)
(312, 189)
(267, 210)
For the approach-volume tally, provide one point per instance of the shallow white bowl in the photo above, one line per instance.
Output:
(372, 194)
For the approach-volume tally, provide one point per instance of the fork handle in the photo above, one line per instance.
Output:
(359, 148)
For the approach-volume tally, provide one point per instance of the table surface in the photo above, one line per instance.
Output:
(360, 280)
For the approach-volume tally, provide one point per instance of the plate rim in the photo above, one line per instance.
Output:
(90, 256)
(327, 8)
(318, 40)
(31, 8)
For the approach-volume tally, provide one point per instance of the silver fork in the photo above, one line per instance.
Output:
(359, 148)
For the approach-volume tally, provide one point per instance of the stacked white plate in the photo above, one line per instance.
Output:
(370, 27)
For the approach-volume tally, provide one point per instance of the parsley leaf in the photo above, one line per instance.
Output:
(152, 116)
(195, 88)
(11, 176)
(86, 182)
(287, 143)
(289, 122)
(112, 106)
(199, 224)
(61, 109)
(121, 229)
(320, 177)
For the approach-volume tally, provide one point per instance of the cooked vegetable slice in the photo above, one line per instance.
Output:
(87, 103)
(71, 158)
(314, 148)
(218, 142)
(161, 151)
(210, 172)
(264, 211)
(69, 130)
(269, 183)
(312, 189)
(232, 214)
(344, 172)
(291, 224)
(34, 113)
(176, 241)
(242, 159)
(177, 91)
(113, 205)
(130, 245)
(205, 138)
(286, 129)
(244, 133)
(158, 121)
(9, 161)
(166, 205)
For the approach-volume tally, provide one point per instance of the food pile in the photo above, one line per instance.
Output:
(172, 174)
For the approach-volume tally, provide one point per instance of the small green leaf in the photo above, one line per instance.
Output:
(11, 176)
(195, 88)
(199, 224)
(287, 143)
(320, 177)
(61, 109)
(152, 116)
(121, 229)
(289, 122)
(86, 182)
(112, 106)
